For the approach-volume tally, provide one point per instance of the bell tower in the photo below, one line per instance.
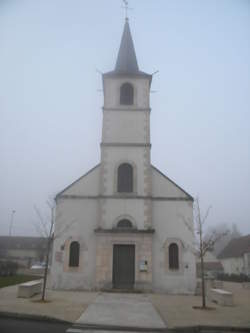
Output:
(126, 134)
(125, 230)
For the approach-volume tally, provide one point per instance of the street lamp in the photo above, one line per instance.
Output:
(11, 221)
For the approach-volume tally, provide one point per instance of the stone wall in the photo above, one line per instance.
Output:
(104, 258)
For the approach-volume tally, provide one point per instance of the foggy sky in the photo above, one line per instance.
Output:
(50, 98)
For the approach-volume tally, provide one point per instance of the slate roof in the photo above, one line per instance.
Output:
(236, 248)
(210, 266)
(126, 63)
(20, 242)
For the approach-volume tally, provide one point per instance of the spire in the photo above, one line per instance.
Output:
(126, 61)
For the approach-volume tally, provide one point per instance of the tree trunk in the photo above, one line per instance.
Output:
(203, 289)
(46, 270)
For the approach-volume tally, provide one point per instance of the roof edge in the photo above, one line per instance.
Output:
(66, 188)
(180, 188)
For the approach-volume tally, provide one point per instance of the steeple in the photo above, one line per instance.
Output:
(126, 61)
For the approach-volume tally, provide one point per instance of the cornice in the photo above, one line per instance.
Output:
(122, 144)
(127, 109)
(122, 197)
(124, 231)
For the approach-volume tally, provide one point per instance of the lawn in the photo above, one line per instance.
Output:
(6, 281)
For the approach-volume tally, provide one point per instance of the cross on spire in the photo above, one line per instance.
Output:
(126, 8)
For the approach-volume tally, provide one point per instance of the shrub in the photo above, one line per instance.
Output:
(233, 277)
(8, 268)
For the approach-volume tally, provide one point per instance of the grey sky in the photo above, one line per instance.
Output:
(50, 105)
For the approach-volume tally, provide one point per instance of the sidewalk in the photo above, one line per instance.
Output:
(122, 310)
(175, 310)
(62, 305)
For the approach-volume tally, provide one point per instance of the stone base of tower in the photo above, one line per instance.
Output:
(124, 259)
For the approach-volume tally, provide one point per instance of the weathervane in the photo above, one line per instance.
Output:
(126, 7)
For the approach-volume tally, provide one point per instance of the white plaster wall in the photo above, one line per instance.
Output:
(112, 157)
(233, 265)
(81, 217)
(169, 226)
(247, 263)
(126, 126)
(112, 92)
(86, 185)
(163, 187)
(114, 210)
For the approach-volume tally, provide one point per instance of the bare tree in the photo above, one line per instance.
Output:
(45, 227)
(202, 244)
(232, 232)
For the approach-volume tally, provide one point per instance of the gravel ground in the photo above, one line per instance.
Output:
(177, 310)
(64, 305)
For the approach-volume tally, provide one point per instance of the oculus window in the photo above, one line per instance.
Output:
(124, 224)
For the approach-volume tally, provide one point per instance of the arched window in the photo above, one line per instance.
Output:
(125, 178)
(124, 224)
(74, 252)
(126, 94)
(173, 253)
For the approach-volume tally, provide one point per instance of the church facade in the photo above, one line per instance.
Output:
(121, 225)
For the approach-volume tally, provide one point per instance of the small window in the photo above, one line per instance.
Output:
(125, 178)
(173, 253)
(126, 94)
(74, 252)
(124, 224)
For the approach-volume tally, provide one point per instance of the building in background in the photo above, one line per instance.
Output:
(212, 266)
(129, 229)
(25, 251)
(235, 257)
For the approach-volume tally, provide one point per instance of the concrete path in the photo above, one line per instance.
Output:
(122, 310)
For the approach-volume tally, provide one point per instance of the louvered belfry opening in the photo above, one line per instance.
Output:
(125, 178)
(127, 94)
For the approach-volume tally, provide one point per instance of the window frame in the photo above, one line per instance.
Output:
(173, 256)
(127, 94)
(130, 226)
(121, 186)
(74, 261)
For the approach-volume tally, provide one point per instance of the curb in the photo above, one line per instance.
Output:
(34, 317)
(118, 328)
(208, 328)
(178, 329)
(186, 329)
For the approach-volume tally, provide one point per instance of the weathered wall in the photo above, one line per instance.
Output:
(247, 263)
(88, 184)
(233, 265)
(169, 227)
(112, 92)
(104, 259)
(81, 218)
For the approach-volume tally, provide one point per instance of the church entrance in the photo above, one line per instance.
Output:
(123, 266)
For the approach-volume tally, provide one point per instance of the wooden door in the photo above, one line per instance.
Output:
(123, 266)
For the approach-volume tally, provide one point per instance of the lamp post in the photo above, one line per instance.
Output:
(11, 221)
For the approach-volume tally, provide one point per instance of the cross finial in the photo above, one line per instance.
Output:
(126, 7)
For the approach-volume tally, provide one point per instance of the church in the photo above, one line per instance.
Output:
(121, 225)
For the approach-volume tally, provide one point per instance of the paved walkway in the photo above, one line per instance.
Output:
(122, 310)
(175, 310)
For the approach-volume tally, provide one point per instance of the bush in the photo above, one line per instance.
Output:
(8, 268)
(233, 277)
